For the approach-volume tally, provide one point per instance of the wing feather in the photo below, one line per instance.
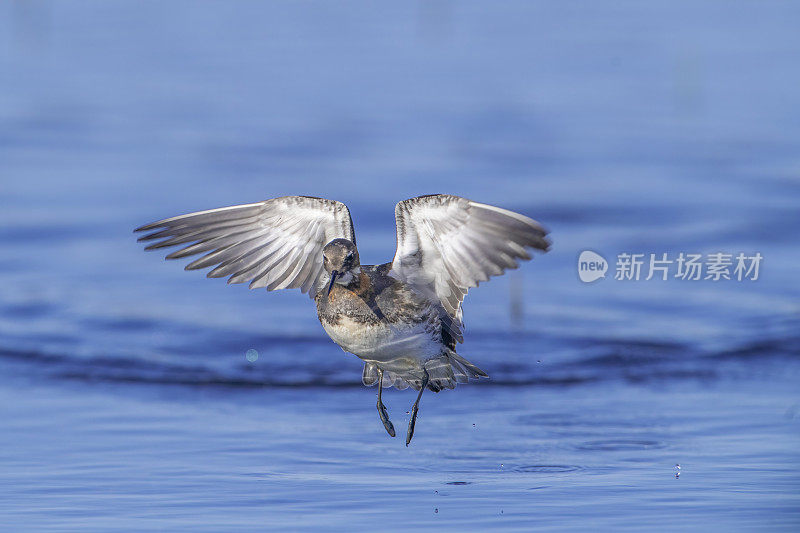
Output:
(447, 245)
(275, 244)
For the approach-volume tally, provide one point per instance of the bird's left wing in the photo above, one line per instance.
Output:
(447, 244)
(275, 244)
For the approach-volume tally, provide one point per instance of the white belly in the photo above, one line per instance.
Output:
(384, 343)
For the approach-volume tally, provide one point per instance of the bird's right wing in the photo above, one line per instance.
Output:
(275, 244)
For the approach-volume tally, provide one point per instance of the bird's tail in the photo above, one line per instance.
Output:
(447, 370)
(463, 369)
(444, 372)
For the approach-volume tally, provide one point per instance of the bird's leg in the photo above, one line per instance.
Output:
(382, 408)
(415, 407)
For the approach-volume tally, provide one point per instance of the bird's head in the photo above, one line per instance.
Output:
(340, 259)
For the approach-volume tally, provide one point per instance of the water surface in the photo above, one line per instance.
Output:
(127, 401)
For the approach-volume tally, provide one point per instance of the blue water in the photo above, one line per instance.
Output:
(127, 402)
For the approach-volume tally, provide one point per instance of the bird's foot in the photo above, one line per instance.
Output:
(415, 408)
(411, 424)
(385, 419)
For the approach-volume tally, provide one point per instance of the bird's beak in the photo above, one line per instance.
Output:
(334, 273)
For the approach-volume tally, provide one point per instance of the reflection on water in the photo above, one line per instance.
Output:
(134, 395)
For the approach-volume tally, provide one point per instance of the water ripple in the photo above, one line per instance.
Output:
(612, 445)
(548, 469)
(212, 359)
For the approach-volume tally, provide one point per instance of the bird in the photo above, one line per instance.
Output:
(403, 318)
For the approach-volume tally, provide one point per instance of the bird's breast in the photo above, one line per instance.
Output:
(382, 341)
(376, 330)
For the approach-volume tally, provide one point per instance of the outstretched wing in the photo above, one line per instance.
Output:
(448, 244)
(275, 244)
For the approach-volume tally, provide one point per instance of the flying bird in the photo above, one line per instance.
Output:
(402, 318)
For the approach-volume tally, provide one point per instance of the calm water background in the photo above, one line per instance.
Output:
(126, 399)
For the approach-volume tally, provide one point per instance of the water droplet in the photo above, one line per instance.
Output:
(473, 425)
(501, 465)
(436, 492)
(436, 511)
(251, 355)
